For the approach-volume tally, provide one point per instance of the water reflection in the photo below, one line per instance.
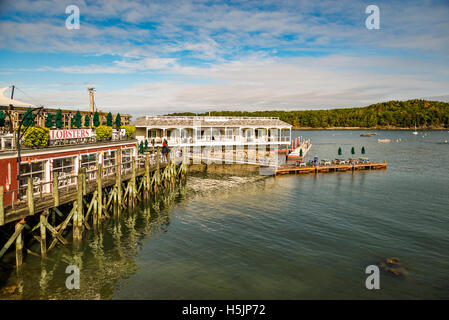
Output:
(105, 256)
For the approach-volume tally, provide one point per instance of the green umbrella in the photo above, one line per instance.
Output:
(363, 150)
(352, 150)
(339, 151)
(141, 147)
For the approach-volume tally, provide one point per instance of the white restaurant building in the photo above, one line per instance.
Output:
(207, 131)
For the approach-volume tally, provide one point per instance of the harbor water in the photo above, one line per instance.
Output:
(288, 237)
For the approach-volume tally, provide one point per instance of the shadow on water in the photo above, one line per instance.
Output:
(106, 255)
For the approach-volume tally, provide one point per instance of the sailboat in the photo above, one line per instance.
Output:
(415, 132)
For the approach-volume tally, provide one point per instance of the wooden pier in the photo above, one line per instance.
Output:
(297, 169)
(88, 199)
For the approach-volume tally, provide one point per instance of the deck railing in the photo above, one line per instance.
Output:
(39, 190)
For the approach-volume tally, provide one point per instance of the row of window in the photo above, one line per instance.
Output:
(39, 171)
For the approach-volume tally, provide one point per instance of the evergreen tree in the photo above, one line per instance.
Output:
(339, 151)
(96, 119)
(352, 150)
(28, 120)
(87, 121)
(77, 121)
(109, 120)
(72, 122)
(49, 120)
(141, 148)
(146, 144)
(363, 150)
(118, 121)
(58, 119)
(2, 118)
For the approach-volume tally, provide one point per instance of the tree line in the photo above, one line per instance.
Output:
(399, 114)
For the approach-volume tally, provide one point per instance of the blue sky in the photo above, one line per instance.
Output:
(153, 57)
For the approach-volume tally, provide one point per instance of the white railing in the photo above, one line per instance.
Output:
(208, 118)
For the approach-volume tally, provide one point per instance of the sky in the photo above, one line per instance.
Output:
(156, 57)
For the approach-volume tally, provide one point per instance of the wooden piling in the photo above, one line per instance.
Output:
(118, 179)
(78, 216)
(133, 178)
(43, 221)
(19, 246)
(2, 209)
(158, 153)
(30, 196)
(99, 192)
(56, 188)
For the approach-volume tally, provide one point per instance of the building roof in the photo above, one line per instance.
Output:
(181, 121)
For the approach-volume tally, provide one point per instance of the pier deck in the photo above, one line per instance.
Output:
(289, 169)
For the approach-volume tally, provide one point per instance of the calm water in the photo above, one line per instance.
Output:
(289, 237)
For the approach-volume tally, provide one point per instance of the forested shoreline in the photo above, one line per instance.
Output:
(385, 115)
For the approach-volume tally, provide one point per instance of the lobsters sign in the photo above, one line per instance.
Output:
(70, 134)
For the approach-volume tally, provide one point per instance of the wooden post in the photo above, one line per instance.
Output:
(147, 172)
(56, 188)
(158, 152)
(30, 196)
(78, 222)
(83, 172)
(118, 176)
(133, 177)
(99, 192)
(2, 209)
(43, 220)
(19, 246)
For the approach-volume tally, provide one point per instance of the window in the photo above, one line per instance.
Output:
(66, 170)
(35, 170)
(126, 160)
(109, 161)
(89, 161)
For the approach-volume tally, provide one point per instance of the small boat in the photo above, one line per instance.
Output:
(369, 134)
(383, 140)
(415, 132)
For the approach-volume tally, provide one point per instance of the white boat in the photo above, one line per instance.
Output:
(415, 132)
(383, 140)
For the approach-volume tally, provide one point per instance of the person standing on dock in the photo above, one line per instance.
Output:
(165, 149)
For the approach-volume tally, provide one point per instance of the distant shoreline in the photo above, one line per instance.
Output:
(372, 128)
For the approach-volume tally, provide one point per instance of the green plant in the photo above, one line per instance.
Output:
(118, 120)
(103, 132)
(146, 144)
(77, 121)
(129, 130)
(58, 119)
(36, 137)
(109, 120)
(141, 147)
(96, 119)
(28, 119)
(87, 121)
(49, 120)
(2, 118)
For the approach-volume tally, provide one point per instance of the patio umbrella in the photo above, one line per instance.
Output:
(339, 151)
(363, 150)
(352, 150)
